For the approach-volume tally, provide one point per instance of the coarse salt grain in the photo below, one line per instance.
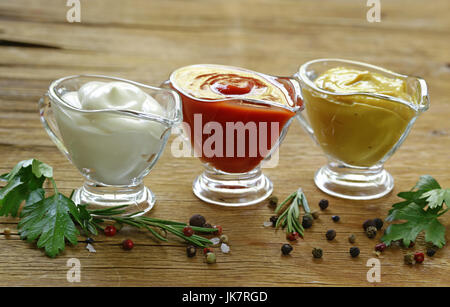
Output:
(215, 241)
(90, 248)
(225, 248)
(267, 224)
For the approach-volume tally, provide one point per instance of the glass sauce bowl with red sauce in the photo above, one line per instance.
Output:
(235, 119)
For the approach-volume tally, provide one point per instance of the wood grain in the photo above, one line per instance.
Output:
(144, 41)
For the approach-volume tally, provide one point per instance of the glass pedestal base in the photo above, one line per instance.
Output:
(138, 198)
(354, 183)
(232, 190)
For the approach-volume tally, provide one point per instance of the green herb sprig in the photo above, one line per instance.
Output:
(52, 221)
(421, 208)
(289, 218)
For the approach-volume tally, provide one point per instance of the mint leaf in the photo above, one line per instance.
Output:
(24, 178)
(49, 221)
(418, 220)
(437, 197)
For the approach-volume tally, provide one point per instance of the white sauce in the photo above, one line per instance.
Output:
(112, 149)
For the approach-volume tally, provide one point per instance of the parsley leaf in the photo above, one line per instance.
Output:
(49, 221)
(25, 177)
(420, 209)
(418, 220)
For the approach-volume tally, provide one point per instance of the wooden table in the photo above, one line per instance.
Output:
(144, 41)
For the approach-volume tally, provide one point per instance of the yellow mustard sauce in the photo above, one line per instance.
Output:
(358, 130)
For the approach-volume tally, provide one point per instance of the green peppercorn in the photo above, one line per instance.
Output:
(273, 201)
(409, 258)
(354, 251)
(368, 223)
(286, 249)
(317, 253)
(331, 234)
(210, 258)
(224, 239)
(352, 238)
(307, 221)
(118, 226)
(371, 232)
(191, 250)
(6, 231)
(378, 223)
(315, 214)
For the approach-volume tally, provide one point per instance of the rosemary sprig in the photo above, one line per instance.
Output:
(289, 217)
(91, 220)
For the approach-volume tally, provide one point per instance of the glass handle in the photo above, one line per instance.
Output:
(48, 120)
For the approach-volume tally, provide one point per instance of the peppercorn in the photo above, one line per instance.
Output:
(197, 220)
(118, 226)
(380, 247)
(431, 252)
(6, 231)
(317, 253)
(191, 250)
(207, 225)
(274, 220)
(315, 215)
(354, 251)
(371, 232)
(89, 240)
(127, 245)
(188, 231)
(368, 223)
(210, 258)
(335, 218)
(378, 223)
(292, 236)
(286, 249)
(219, 229)
(331, 234)
(419, 257)
(273, 201)
(323, 204)
(307, 221)
(224, 239)
(408, 258)
(110, 231)
(207, 250)
(352, 238)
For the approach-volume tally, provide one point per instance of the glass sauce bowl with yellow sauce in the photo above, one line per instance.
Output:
(359, 114)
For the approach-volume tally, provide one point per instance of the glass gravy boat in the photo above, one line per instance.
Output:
(236, 180)
(357, 131)
(112, 148)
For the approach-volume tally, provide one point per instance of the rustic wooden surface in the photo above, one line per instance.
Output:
(144, 41)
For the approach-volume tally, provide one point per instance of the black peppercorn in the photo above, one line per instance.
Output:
(335, 218)
(378, 223)
(351, 238)
(354, 251)
(368, 223)
(197, 220)
(273, 201)
(431, 252)
(286, 249)
(89, 240)
(274, 220)
(307, 221)
(191, 250)
(317, 253)
(331, 234)
(323, 204)
(371, 232)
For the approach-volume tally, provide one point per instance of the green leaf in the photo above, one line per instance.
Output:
(24, 178)
(49, 222)
(437, 197)
(418, 220)
(426, 183)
